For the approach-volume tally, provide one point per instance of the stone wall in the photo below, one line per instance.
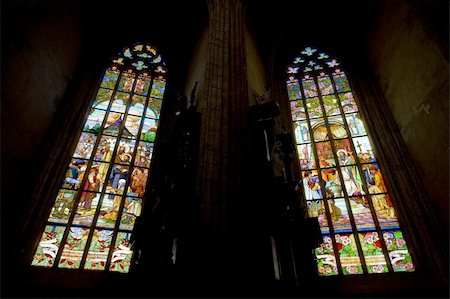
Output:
(412, 72)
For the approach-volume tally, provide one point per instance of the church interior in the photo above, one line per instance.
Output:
(219, 219)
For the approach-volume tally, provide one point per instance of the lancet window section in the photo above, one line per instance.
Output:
(91, 222)
(342, 179)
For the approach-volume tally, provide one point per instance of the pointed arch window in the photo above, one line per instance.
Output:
(102, 192)
(341, 176)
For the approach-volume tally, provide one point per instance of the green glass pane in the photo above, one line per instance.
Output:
(153, 108)
(102, 99)
(314, 108)
(138, 182)
(158, 88)
(122, 254)
(331, 105)
(298, 111)
(326, 261)
(325, 85)
(373, 254)
(293, 88)
(48, 246)
(398, 251)
(149, 129)
(74, 248)
(348, 254)
(110, 79)
(98, 250)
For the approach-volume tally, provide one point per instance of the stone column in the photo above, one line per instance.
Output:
(224, 109)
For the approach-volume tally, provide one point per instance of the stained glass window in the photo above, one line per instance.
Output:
(101, 194)
(342, 181)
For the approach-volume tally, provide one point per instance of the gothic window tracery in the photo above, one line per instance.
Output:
(342, 179)
(101, 194)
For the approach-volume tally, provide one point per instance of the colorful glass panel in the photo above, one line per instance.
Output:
(326, 261)
(293, 88)
(74, 248)
(373, 252)
(311, 185)
(309, 88)
(348, 102)
(149, 129)
(298, 111)
(398, 251)
(48, 246)
(122, 254)
(137, 105)
(333, 183)
(110, 78)
(94, 121)
(158, 88)
(142, 85)
(102, 99)
(126, 82)
(301, 132)
(331, 105)
(119, 130)
(98, 251)
(131, 210)
(325, 154)
(306, 156)
(339, 215)
(341, 82)
(85, 146)
(325, 85)
(355, 124)
(348, 254)
(153, 108)
(314, 108)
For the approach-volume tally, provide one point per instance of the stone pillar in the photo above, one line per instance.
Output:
(224, 109)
